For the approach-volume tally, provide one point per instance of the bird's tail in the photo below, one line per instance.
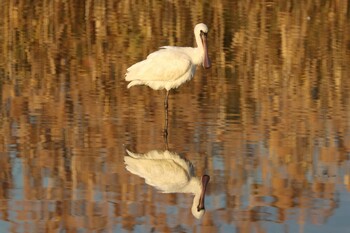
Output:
(132, 154)
(134, 83)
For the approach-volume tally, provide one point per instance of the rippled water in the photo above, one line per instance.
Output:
(269, 122)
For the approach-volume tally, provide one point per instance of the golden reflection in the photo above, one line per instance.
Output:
(272, 113)
(169, 173)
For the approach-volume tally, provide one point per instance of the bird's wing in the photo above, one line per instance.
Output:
(165, 170)
(164, 175)
(166, 155)
(166, 64)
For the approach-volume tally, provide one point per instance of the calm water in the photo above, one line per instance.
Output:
(269, 122)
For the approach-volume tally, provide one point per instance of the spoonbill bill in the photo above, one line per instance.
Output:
(169, 173)
(170, 66)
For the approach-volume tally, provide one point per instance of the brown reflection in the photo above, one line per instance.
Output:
(169, 173)
(271, 114)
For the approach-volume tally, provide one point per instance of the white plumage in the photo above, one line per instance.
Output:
(169, 173)
(170, 66)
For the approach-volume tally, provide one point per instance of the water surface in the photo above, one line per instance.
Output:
(269, 122)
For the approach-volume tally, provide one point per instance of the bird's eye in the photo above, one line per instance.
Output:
(203, 33)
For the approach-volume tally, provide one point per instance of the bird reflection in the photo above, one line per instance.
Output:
(169, 173)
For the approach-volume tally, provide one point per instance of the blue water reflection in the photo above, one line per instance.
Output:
(269, 121)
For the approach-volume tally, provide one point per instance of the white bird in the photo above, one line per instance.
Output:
(169, 173)
(170, 66)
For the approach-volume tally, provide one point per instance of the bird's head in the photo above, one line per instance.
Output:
(198, 208)
(201, 27)
(201, 31)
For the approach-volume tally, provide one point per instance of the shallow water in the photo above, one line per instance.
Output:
(269, 122)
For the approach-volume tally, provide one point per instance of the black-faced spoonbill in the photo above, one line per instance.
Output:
(170, 66)
(169, 173)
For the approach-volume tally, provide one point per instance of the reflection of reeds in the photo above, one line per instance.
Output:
(65, 108)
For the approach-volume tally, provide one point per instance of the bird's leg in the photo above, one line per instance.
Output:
(166, 100)
(166, 117)
(166, 141)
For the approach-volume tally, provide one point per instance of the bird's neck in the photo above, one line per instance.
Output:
(193, 186)
(199, 44)
(194, 209)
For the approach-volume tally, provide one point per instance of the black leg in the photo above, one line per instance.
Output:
(166, 100)
(166, 118)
